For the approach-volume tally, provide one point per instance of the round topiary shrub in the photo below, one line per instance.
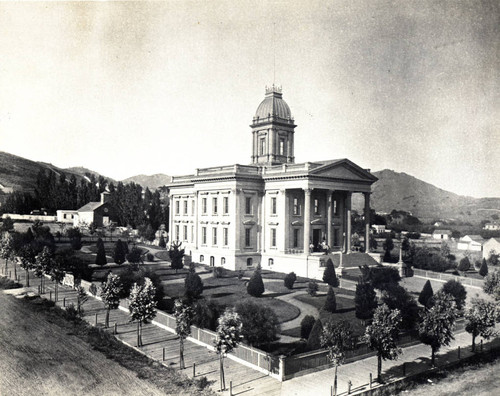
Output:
(290, 280)
(312, 288)
(255, 285)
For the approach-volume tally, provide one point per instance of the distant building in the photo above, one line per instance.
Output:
(5, 189)
(94, 212)
(379, 228)
(492, 245)
(473, 243)
(495, 226)
(441, 234)
(66, 216)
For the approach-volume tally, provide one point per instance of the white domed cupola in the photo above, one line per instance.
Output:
(272, 130)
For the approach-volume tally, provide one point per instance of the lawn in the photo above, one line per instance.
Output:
(230, 291)
(43, 353)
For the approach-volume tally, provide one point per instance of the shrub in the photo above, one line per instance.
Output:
(365, 300)
(464, 264)
(100, 258)
(150, 257)
(397, 297)
(314, 340)
(206, 313)
(312, 288)
(426, 294)
(255, 285)
(162, 242)
(329, 275)
(331, 301)
(492, 283)
(306, 326)
(483, 271)
(119, 254)
(457, 291)
(193, 283)
(93, 289)
(176, 254)
(380, 277)
(71, 313)
(290, 280)
(260, 324)
(240, 274)
(219, 272)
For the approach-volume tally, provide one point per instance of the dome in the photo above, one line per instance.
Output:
(273, 105)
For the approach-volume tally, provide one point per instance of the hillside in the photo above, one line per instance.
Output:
(80, 170)
(20, 173)
(152, 182)
(401, 191)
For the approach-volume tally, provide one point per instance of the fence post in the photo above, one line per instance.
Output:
(64, 301)
(349, 384)
(96, 319)
(115, 329)
(10, 274)
(371, 380)
(331, 390)
(164, 354)
(50, 295)
(404, 369)
(194, 370)
(459, 352)
(481, 345)
(282, 367)
(230, 388)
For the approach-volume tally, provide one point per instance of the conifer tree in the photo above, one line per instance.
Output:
(119, 252)
(329, 276)
(193, 283)
(365, 300)
(483, 271)
(331, 301)
(426, 294)
(255, 285)
(101, 253)
(314, 340)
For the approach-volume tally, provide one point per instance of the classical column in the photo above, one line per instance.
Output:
(348, 221)
(307, 218)
(367, 221)
(196, 227)
(171, 219)
(272, 135)
(329, 228)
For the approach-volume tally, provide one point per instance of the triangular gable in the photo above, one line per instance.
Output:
(344, 169)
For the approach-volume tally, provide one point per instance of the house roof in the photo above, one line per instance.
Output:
(476, 238)
(90, 207)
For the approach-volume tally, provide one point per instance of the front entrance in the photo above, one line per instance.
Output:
(317, 240)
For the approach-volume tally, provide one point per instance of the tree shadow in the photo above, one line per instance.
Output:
(217, 295)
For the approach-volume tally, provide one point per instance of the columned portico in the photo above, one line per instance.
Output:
(367, 221)
(307, 219)
(348, 222)
(329, 227)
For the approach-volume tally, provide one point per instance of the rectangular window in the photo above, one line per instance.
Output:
(192, 207)
(273, 205)
(316, 206)
(177, 207)
(226, 205)
(214, 206)
(177, 236)
(282, 146)
(192, 234)
(204, 206)
(335, 208)
(247, 237)
(248, 205)
(262, 146)
(185, 233)
(185, 208)
(296, 236)
(214, 236)
(225, 235)
(203, 235)
(273, 237)
(296, 207)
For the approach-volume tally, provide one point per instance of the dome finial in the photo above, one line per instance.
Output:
(273, 88)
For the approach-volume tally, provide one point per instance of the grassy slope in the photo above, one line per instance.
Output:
(40, 354)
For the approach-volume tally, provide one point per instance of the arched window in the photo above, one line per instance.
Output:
(202, 258)
(223, 260)
(271, 262)
(212, 261)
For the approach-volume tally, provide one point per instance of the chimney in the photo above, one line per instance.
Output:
(104, 197)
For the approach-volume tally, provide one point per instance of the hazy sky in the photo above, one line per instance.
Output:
(167, 87)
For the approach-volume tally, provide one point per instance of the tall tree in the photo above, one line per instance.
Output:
(382, 334)
(329, 276)
(483, 270)
(480, 320)
(228, 336)
(457, 291)
(183, 319)
(337, 338)
(365, 300)
(331, 301)
(28, 258)
(142, 305)
(7, 225)
(176, 254)
(43, 263)
(193, 283)
(426, 294)
(6, 248)
(255, 286)
(81, 298)
(436, 324)
(110, 293)
(119, 254)
(388, 246)
(100, 258)
(397, 297)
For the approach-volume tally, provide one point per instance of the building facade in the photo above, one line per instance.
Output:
(273, 212)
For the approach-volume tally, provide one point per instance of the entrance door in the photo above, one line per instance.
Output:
(212, 261)
(316, 240)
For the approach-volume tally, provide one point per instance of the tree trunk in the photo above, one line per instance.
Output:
(6, 269)
(433, 355)
(181, 353)
(222, 379)
(379, 369)
(138, 335)
(473, 343)
(106, 320)
(335, 381)
(15, 270)
(27, 278)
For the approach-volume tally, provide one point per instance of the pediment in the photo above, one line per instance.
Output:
(344, 169)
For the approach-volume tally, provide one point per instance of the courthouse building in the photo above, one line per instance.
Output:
(273, 212)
